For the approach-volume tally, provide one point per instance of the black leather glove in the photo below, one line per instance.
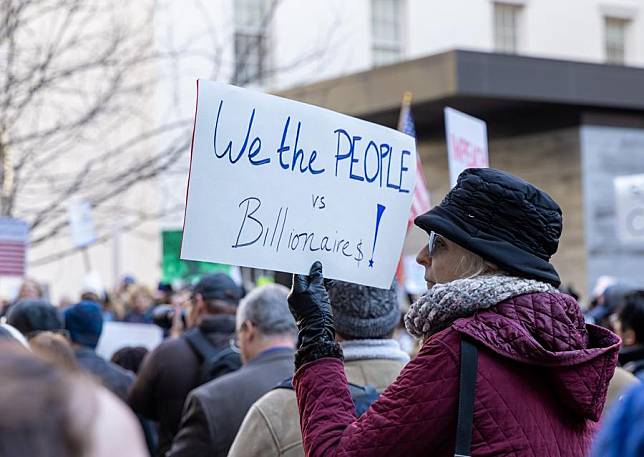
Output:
(309, 303)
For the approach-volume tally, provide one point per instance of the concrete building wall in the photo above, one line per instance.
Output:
(607, 152)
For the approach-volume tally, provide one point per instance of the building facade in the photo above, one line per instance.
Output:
(284, 47)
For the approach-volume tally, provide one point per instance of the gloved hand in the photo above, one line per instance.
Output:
(309, 303)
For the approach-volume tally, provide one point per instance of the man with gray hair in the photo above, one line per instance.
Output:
(265, 334)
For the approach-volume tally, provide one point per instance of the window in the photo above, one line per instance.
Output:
(386, 43)
(615, 40)
(251, 24)
(506, 27)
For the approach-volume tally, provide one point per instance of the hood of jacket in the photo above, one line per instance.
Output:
(547, 329)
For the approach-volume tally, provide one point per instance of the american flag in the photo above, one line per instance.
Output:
(420, 203)
(13, 246)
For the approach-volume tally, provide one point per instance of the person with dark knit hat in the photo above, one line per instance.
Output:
(30, 316)
(534, 375)
(84, 323)
(366, 318)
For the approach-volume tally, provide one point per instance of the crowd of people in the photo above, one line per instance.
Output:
(506, 361)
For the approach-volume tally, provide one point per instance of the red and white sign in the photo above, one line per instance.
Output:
(466, 143)
(14, 235)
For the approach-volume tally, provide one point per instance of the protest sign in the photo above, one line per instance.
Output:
(629, 194)
(466, 143)
(117, 335)
(277, 184)
(81, 225)
(14, 234)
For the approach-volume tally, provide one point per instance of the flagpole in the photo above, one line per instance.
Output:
(404, 107)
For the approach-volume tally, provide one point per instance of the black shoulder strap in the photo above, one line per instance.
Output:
(200, 344)
(466, 395)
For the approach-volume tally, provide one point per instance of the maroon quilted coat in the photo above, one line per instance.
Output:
(541, 385)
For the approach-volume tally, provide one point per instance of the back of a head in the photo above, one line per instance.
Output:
(267, 308)
(362, 312)
(130, 357)
(84, 322)
(220, 293)
(54, 348)
(29, 316)
(36, 419)
(48, 411)
(632, 315)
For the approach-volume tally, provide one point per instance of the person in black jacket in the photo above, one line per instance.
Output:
(173, 368)
(214, 411)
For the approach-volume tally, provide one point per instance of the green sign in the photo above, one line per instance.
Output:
(186, 270)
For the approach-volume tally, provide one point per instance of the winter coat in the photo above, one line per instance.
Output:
(112, 376)
(169, 373)
(541, 385)
(214, 411)
(272, 426)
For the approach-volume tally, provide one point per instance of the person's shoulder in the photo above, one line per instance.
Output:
(277, 409)
(447, 340)
(120, 372)
(222, 386)
(276, 401)
(170, 346)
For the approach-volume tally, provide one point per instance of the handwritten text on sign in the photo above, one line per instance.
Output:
(466, 143)
(277, 184)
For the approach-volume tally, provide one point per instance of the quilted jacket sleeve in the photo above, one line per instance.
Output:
(415, 416)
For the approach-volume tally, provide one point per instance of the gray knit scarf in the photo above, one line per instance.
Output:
(444, 303)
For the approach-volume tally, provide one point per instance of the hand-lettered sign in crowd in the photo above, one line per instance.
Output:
(278, 184)
(466, 143)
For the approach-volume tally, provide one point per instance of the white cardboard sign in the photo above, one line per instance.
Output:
(466, 143)
(80, 223)
(629, 193)
(277, 184)
(117, 335)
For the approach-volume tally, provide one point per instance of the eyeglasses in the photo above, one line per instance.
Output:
(233, 342)
(433, 236)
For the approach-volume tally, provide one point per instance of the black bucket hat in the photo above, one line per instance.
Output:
(502, 218)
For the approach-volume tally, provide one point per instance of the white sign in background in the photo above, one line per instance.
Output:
(278, 184)
(629, 194)
(81, 225)
(117, 335)
(466, 143)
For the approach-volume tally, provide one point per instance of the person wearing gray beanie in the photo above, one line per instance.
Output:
(363, 312)
(365, 319)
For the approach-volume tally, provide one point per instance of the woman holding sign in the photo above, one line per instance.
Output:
(505, 355)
